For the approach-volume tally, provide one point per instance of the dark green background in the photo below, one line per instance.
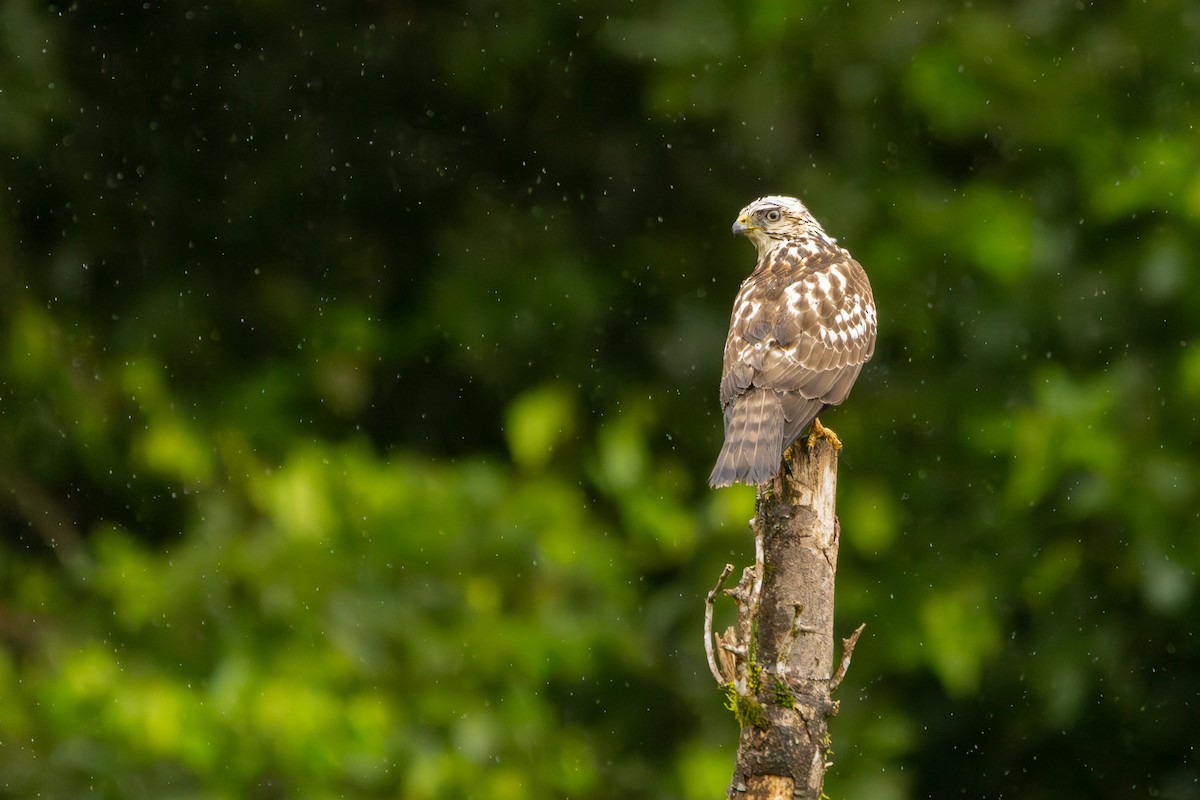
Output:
(358, 371)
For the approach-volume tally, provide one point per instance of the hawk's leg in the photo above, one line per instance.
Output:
(820, 430)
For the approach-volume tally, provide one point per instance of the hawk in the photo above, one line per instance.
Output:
(803, 325)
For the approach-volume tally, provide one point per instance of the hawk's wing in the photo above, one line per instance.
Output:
(803, 327)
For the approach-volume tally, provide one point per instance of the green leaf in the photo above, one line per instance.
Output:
(537, 423)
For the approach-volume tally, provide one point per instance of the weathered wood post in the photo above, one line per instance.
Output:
(777, 662)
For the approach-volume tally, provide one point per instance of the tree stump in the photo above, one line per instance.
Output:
(777, 663)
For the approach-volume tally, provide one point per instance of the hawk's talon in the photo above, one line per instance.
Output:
(819, 430)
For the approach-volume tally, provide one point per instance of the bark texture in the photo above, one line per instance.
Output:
(778, 663)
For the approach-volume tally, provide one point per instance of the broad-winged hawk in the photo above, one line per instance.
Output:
(803, 325)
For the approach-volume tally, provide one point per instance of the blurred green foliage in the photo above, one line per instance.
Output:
(358, 376)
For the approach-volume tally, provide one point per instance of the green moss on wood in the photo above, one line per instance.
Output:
(746, 710)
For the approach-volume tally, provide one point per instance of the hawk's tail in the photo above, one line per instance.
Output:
(753, 445)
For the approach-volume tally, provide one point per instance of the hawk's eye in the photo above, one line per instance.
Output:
(773, 215)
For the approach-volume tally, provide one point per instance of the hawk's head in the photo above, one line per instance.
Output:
(774, 219)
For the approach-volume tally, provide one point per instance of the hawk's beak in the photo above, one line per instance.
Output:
(742, 225)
